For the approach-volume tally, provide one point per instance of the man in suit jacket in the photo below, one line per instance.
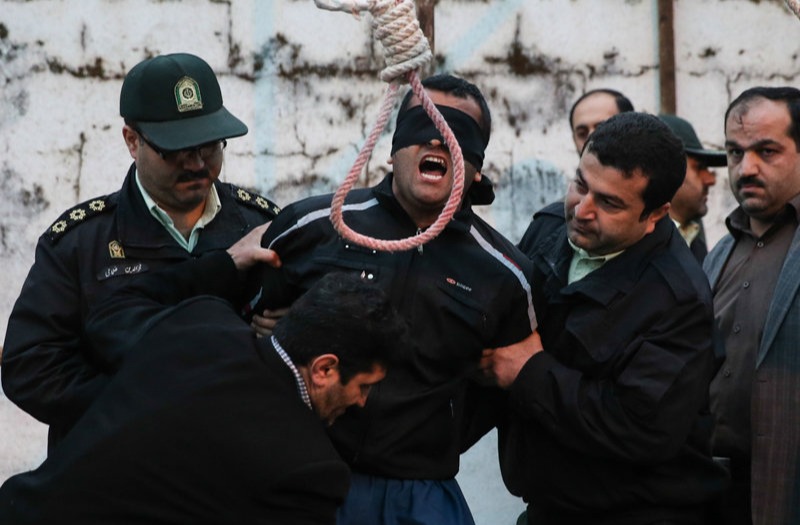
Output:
(755, 276)
(202, 421)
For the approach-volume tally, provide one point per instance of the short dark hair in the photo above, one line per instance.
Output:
(630, 141)
(623, 103)
(457, 87)
(786, 94)
(345, 315)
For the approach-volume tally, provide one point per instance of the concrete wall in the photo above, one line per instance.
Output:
(305, 81)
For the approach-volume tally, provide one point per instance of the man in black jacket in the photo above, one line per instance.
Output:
(465, 290)
(607, 415)
(171, 208)
(203, 422)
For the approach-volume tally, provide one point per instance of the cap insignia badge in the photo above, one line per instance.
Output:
(187, 95)
(115, 250)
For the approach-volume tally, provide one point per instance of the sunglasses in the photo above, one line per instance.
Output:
(206, 151)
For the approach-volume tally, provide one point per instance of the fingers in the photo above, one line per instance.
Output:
(263, 325)
(247, 251)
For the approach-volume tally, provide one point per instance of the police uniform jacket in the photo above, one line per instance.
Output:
(464, 291)
(611, 421)
(88, 252)
(202, 423)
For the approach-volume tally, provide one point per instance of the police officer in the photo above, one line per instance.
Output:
(690, 203)
(171, 207)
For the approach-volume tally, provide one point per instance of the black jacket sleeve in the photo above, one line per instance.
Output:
(45, 367)
(117, 323)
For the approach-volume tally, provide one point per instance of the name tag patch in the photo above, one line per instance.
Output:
(121, 269)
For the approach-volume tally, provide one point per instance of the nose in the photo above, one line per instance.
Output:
(191, 159)
(584, 209)
(709, 177)
(749, 164)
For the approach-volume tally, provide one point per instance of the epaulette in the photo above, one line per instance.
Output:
(78, 215)
(254, 200)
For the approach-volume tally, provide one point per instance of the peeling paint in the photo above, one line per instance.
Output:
(523, 62)
(95, 70)
(709, 52)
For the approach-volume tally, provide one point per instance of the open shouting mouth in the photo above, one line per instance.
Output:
(432, 167)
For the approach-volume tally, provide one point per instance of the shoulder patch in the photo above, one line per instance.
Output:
(78, 215)
(254, 200)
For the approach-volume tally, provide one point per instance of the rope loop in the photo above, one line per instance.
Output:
(395, 24)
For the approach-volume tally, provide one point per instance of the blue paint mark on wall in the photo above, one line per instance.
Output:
(266, 112)
(474, 36)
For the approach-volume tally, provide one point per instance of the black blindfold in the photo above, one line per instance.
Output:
(415, 127)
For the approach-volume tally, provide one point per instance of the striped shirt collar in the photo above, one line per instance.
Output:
(301, 384)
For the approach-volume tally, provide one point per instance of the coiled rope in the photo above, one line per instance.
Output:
(395, 24)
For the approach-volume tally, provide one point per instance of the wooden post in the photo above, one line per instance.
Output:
(666, 56)
(425, 10)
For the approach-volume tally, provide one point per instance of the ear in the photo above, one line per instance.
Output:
(477, 177)
(655, 216)
(131, 140)
(324, 370)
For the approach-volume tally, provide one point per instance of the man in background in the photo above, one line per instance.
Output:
(592, 108)
(690, 203)
(755, 276)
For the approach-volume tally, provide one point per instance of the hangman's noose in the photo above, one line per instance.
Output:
(395, 24)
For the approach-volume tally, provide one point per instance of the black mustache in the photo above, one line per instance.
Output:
(188, 176)
(748, 180)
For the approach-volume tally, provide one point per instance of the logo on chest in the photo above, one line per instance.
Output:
(462, 286)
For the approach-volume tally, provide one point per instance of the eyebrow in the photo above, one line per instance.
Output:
(754, 145)
(610, 198)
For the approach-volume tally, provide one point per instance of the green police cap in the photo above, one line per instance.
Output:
(691, 143)
(175, 100)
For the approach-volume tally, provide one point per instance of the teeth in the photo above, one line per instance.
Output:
(435, 160)
(434, 175)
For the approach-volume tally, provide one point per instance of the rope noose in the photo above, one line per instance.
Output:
(395, 24)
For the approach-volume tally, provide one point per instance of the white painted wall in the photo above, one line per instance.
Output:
(305, 82)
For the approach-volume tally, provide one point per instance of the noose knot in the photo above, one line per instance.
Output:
(395, 24)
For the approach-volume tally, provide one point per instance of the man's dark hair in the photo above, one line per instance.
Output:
(630, 141)
(623, 103)
(457, 87)
(786, 94)
(345, 315)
